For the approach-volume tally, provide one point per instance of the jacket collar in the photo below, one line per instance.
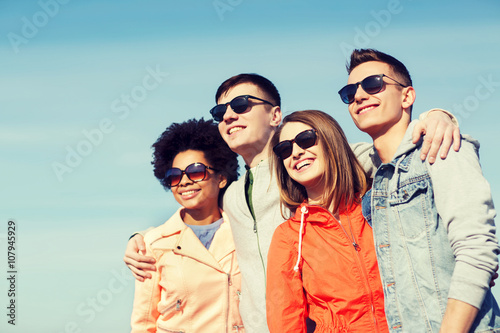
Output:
(187, 243)
(318, 214)
(405, 148)
(406, 144)
(174, 225)
(313, 214)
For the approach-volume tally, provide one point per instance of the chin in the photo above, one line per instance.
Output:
(191, 206)
(365, 126)
(232, 143)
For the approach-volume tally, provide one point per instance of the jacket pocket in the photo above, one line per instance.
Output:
(411, 205)
(238, 328)
(167, 311)
(163, 308)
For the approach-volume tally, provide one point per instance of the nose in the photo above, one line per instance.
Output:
(360, 94)
(229, 114)
(296, 150)
(184, 180)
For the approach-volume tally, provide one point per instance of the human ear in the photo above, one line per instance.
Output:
(276, 116)
(409, 97)
(222, 182)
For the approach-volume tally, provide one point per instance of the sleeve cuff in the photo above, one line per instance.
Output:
(462, 288)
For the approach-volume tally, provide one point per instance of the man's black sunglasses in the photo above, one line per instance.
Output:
(239, 105)
(371, 84)
(196, 172)
(304, 140)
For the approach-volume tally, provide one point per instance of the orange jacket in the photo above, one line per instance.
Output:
(336, 284)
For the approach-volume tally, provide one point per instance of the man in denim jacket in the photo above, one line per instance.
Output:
(433, 223)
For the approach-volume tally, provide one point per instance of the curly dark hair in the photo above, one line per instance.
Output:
(194, 135)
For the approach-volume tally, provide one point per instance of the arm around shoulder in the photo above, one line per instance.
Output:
(441, 132)
(453, 119)
(135, 257)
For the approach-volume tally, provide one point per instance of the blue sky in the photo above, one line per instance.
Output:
(88, 86)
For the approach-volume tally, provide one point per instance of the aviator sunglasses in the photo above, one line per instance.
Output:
(304, 140)
(371, 84)
(239, 105)
(196, 172)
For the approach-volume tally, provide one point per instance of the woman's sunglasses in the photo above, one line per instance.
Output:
(371, 84)
(196, 172)
(304, 140)
(239, 105)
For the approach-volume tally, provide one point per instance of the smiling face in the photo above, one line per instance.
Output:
(248, 133)
(197, 197)
(305, 166)
(384, 112)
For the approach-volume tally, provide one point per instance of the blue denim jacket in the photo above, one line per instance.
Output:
(434, 236)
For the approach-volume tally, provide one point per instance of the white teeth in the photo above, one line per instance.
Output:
(302, 164)
(188, 192)
(366, 109)
(235, 129)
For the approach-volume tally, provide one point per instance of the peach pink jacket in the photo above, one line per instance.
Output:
(193, 289)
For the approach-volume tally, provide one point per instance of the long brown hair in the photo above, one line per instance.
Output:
(344, 178)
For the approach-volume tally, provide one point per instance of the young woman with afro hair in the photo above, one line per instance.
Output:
(196, 285)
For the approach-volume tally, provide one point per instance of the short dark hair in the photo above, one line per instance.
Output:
(360, 56)
(264, 84)
(198, 135)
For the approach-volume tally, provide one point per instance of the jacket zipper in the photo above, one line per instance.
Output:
(256, 231)
(363, 270)
(258, 247)
(228, 298)
(177, 306)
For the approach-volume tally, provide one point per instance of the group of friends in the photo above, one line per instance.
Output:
(319, 235)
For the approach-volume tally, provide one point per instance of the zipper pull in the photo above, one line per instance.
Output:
(229, 279)
(255, 226)
(356, 246)
(178, 306)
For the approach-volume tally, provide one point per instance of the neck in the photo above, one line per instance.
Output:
(254, 157)
(200, 217)
(386, 142)
(315, 195)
